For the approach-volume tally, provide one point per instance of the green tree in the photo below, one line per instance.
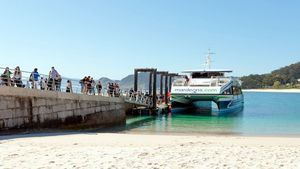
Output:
(277, 78)
(276, 85)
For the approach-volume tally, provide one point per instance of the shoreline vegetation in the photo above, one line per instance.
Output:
(107, 150)
(286, 78)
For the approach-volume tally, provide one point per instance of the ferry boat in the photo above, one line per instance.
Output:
(208, 90)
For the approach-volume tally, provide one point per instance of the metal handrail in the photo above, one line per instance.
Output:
(138, 98)
(25, 82)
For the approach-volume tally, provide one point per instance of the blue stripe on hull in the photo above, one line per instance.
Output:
(220, 108)
(234, 109)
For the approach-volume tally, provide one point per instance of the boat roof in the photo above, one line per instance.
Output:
(208, 71)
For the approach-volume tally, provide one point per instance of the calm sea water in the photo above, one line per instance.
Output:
(263, 114)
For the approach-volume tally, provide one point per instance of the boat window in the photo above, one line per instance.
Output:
(180, 82)
(228, 91)
(207, 74)
(237, 90)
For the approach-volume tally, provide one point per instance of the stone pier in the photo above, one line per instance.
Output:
(27, 109)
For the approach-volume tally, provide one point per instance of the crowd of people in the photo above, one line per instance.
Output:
(146, 98)
(88, 85)
(113, 89)
(35, 81)
(53, 82)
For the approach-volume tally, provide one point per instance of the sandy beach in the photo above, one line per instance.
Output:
(98, 150)
(273, 90)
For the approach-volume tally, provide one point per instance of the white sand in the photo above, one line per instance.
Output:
(273, 90)
(93, 150)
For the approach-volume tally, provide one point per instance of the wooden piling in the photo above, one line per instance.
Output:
(136, 73)
(154, 99)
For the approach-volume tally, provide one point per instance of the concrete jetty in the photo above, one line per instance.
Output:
(27, 108)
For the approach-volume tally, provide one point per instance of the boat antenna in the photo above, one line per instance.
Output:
(208, 60)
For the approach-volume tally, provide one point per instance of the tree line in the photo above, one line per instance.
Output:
(286, 77)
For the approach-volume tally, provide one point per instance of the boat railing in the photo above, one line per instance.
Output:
(214, 81)
(217, 81)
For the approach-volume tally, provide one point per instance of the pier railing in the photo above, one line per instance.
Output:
(60, 85)
(138, 99)
(55, 85)
(27, 82)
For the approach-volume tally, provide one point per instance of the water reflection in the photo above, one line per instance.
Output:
(264, 114)
(185, 121)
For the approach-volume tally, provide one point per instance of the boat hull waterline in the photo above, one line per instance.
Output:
(216, 103)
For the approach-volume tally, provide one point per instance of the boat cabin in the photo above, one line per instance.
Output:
(204, 74)
(204, 78)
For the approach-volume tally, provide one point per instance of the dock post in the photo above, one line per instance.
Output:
(161, 84)
(166, 89)
(150, 83)
(135, 80)
(154, 89)
(170, 83)
(171, 75)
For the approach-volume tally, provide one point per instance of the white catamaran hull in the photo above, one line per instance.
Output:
(208, 89)
(207, 99)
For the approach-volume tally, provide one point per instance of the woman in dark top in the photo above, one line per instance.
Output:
(99, 87)
(5, 77)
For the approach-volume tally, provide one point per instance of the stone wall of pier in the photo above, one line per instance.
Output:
(27, 108)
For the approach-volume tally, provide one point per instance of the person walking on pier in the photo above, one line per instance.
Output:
(17, 78)
(35, 78)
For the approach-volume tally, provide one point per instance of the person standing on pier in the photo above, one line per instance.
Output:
(17, 78)
(109, 89)
(53, 78)
(43, 83)
(35, 78)
(93, 85)
(116, 90)
(88, 85)
(81, 82)
(99, 87)
(131, 91)
(69, 87)
(58, 80)
(5, 77)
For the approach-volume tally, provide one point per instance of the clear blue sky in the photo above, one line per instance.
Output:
(111, 38)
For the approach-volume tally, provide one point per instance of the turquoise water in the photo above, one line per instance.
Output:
(263, 114)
